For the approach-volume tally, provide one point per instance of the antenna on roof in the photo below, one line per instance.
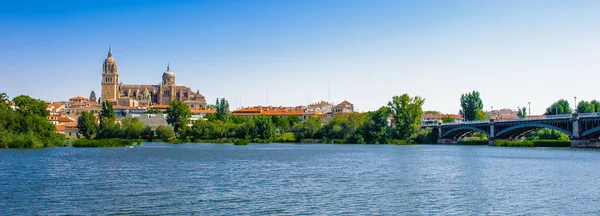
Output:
(267, 97)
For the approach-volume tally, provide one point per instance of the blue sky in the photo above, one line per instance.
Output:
(513, 52)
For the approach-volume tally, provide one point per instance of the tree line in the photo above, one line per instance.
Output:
(26, 125)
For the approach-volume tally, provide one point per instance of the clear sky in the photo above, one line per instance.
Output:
(512, 52)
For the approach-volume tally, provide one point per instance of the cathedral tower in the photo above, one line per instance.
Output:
(110, 78)
(167, 88)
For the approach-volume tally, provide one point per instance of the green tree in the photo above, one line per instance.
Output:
(147, 133)
(29, 106)
(585, 107)
(132, 128)
(86, 123)
(559, 107)
(164, 132)
(432, 112)
(407, 113)
(596, 105)
(264, 127)
(107, 111)
(281, 122)
(447, 119)
(522, 112)
(470, 104)
(178, 114)
(376, 127)
(222, 107)
(293, 120)
(211, 107)
(307, 129)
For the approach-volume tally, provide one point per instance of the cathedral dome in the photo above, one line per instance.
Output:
(168, 73)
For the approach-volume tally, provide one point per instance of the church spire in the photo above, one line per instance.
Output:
(169, 66)
(110, 50)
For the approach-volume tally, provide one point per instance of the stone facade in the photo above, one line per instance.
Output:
(145, 95)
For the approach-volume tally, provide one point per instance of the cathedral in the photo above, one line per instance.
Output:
(145, 95)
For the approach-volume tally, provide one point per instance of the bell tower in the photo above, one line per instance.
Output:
(110, 78)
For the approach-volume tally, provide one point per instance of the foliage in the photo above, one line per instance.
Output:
(222, 107)
(432, 112)
(153, 111)
(471, 104)
(473, 142)
(586, 107)
(397, 142)
(286, 137)
(26, 126)
(103, 142)
(107, 111)
(511, 143)
(596, 105)
(447, 119)
(86, 123)
(481, 115)
(164, 133)
(375, 129)
(178, 114)
(559, 107)
(147, 133)
(307, 129)
(427, 136)
(211, 107)
(546, 134)
(132, 128)
(241, 142)
(522, 113)
(407, 113)
(264, 127)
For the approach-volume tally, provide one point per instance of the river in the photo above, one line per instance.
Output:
(259, 179)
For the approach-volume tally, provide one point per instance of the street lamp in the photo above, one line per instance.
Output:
(575, 104)
(529, 108)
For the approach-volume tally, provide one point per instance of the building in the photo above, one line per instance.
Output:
(503, 112)
(343, 108)
(437, 118)
(145, 95)
(199, 114)
(151, 120)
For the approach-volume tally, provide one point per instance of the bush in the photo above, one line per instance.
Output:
(164, 133)
(103, 142)
(286, 137)
(397, 142)
(511, 143)
(473, 142)
(551, 143)
(241, 142)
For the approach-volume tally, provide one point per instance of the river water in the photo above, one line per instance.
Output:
(260, 179)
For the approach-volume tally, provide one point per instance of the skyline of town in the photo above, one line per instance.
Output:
(297, 51)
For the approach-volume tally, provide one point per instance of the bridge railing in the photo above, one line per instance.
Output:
(562, 116)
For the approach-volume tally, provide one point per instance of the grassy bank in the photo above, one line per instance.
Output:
(473, 142)
(104, 142)
(533, 143)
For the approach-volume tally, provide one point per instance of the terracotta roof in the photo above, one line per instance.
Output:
(159, 107)
(65, 119)
(345, 102)
(70, 124)
(60, 127)
(203, 111)
(269, 111)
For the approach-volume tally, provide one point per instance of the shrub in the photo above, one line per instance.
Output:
(103, 142)
(473, 142)
(241, 142)
(397, 142)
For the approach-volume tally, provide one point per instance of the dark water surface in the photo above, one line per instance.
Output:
(299, 179)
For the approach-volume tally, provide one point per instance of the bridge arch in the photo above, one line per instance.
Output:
(465, 128)
(533, 125)
(590, 131)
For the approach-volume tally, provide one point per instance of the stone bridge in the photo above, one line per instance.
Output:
(583, 129)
